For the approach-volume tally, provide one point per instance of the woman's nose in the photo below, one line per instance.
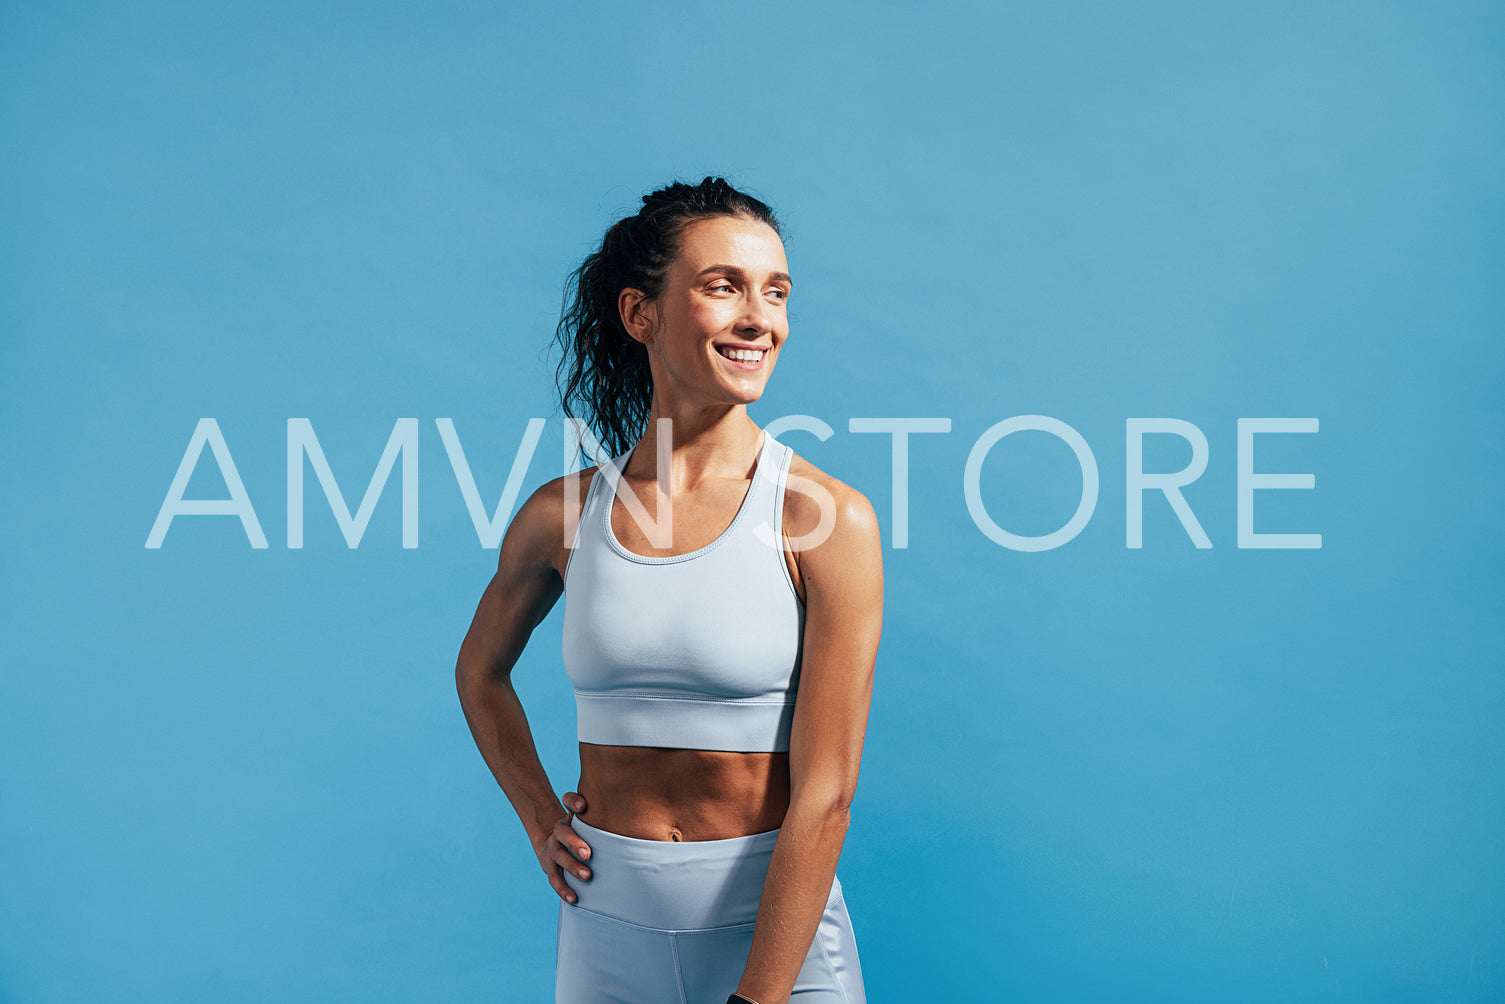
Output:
(756, 314)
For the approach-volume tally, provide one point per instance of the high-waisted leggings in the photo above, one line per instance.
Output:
(671, 922)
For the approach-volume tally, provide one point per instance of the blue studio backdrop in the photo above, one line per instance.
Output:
(1164, 337)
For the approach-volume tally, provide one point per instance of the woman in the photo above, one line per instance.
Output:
(720, 632)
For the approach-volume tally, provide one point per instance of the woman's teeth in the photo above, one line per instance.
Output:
(742, 355)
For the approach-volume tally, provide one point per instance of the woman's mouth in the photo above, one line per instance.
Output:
(742, 358)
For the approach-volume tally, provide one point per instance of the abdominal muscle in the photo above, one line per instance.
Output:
(679, 794)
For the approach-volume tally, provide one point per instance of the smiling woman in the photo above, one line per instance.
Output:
(716, 329)
(722, 675)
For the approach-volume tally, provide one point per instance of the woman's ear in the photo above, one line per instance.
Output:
(638, 314)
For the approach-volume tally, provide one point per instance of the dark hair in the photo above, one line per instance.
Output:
(604, 369)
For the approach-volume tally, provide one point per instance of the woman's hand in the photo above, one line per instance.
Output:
(562, 851)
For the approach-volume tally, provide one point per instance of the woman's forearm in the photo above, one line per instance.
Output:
(794, 897)
(501, 732)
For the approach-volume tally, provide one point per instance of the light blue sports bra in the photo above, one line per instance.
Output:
(691, 651)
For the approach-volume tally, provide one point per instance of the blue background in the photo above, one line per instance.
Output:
(1092, 772)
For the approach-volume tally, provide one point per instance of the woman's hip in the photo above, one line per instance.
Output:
(664, 920)
(669, 885)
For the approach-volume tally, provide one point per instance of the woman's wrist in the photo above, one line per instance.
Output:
(544, 818)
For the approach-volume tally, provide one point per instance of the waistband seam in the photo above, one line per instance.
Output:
(624, 695)
(659, 930)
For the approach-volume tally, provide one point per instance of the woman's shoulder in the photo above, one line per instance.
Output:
(540, 528)
(552, 501)
(822, 508)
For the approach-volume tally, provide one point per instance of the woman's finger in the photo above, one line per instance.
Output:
(566, 835)
(574, 801)
(554, 872)
(562, 857)
(565, 892)
(572, 867)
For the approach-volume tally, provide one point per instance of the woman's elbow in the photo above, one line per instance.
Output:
(838, 817)
(471, 676)
(830, 806)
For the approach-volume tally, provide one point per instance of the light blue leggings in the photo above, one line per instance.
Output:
(669, 922)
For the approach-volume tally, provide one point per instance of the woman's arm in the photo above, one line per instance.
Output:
(843, 579)
(521, 593)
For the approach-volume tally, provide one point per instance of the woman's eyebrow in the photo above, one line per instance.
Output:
(737, 273)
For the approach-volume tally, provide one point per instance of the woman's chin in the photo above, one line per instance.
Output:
(752, 386)
(751, 395)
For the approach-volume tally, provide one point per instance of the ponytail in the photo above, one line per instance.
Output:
(603, 371)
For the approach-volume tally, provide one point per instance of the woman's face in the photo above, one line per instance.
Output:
(715, 330)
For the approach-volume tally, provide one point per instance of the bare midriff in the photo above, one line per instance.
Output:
(678, 794)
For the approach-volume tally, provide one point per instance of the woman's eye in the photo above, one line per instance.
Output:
(779, 294)
(721, 287)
